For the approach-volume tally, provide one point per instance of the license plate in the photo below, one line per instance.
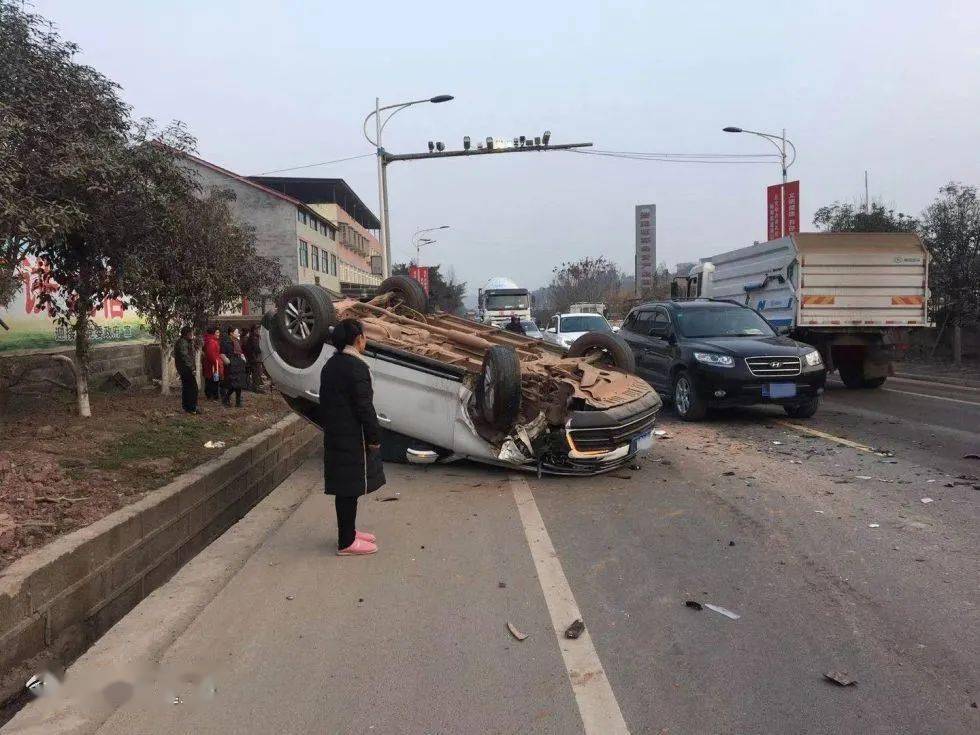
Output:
(781, 390)
(643, 443)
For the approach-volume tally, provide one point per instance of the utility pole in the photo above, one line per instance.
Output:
(867, 198)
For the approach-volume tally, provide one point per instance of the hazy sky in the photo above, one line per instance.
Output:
(892, 86)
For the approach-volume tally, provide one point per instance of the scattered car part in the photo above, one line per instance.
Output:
(724, 611)
(516, 633)
(614, 350)
(574, 630)
(498, 389)
(840, 678)
(694, 605)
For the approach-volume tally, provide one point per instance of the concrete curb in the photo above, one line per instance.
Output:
(57, 600)
(141, 638)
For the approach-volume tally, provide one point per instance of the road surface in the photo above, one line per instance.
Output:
(814, 534)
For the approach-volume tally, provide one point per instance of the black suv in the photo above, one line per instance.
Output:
(704, 352)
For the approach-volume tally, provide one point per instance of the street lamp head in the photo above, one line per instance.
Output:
(443, 227)
(546, 137)
(732, 129)
(441, 98)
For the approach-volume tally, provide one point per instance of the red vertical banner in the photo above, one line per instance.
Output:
(791, 207)
(420, 274)
(774, 211)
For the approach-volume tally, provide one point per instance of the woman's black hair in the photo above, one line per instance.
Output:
(184, 331)
(344, 333)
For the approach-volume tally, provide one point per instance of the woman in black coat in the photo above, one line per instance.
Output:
(234, 360)
(351, 435)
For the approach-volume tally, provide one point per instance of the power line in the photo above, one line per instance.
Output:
(684, 157)
(312, 165)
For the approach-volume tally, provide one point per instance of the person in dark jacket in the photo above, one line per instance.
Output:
(515, 326)
(351, 435)
(234, 360)
(252, 348)
(184, 361)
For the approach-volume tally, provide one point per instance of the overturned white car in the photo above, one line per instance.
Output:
(446, 388)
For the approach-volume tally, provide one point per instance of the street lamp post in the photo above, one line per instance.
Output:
(780, 141)
(379, 126)
(424, 241)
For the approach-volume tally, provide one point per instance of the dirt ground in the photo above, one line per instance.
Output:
(59, 472)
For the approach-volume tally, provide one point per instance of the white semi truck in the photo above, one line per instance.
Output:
(500, 299)
(853, 296)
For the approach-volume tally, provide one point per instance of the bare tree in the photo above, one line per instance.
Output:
(590, 280)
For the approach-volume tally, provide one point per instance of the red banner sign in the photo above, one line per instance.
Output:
(420, 274)
(774, 212)
(791, 207)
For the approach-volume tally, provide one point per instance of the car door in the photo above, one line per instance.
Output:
(636, 332)
(661, 348)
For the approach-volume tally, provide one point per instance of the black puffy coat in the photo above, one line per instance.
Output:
(235, 368)
(350, 424)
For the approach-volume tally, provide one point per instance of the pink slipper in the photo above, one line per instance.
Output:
(366, 536)
(358, 548)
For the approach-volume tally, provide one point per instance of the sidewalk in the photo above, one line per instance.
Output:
(411, 640)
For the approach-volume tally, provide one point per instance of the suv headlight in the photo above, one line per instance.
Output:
(713, 358)
(812, 358)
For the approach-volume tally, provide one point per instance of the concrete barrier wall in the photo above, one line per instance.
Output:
(57, 600)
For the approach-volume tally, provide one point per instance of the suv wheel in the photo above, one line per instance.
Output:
(803, 410)
(615, 350)
(688, 404)
(498, 387)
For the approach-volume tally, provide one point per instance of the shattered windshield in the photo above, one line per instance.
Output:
(714, 322)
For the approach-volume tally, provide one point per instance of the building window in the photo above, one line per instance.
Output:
(299, 214)
(333, 264)
(316, 258)
(304, 254)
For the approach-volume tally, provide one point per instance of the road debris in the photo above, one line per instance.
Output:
(290, 597)
(729, 473)
(927, 500)
(863, 477)
(214, 444)
(731, 543)
(574, 630)
(694, 605)
(724, 611)
(874, 525)
(515, 632)
(777, 443)
(971, 456)
(502, 585)
(659, 432)
(840, 678)
(386, 500)
(620, 476)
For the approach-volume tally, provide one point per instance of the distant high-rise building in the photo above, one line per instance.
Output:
(646, 248)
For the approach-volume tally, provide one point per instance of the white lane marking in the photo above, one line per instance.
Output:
(903, 379)
(594, 696)
(823, 435)
(922, 395)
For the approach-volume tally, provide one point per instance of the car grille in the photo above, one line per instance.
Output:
(774, 366)
(608, 438)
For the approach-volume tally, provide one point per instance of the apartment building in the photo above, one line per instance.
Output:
(358, 247)
(301, 238)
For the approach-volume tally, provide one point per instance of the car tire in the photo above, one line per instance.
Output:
(617, 350)
(873, 382)
(851, 375)
(687, 403)
(498, 387)
(304, 315)
(803, 410)
(407, 291)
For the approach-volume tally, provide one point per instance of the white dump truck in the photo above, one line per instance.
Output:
(853, 296)
(500, 299)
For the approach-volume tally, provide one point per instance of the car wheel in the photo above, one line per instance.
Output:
(873, 382)
(498, 387)
(405, 290)
(616, 352)
(304, 315)
(851, 375)
(688, 404)
(803, 410)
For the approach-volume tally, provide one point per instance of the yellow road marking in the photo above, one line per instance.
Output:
(824, 435)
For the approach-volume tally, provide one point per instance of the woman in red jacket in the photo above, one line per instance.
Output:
(211, 364)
